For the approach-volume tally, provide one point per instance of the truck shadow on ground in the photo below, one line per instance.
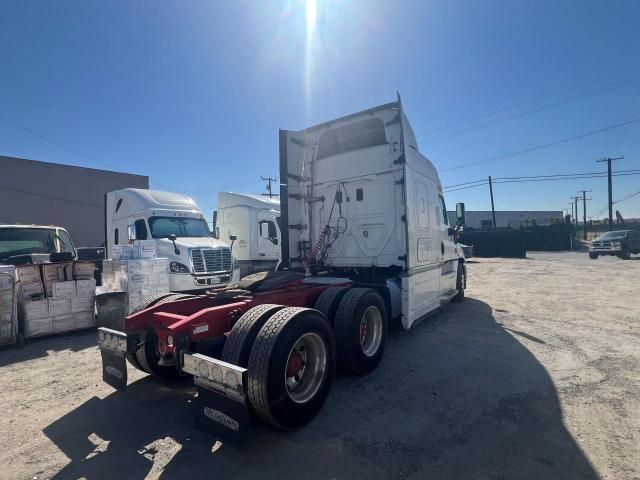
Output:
(40, 347)
(456, 397)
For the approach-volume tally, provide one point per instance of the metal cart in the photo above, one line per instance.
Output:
(9, 336)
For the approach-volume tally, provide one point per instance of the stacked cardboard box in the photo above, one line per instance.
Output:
(140, 249)
(7, 304)
(138, 279)
(60, 298)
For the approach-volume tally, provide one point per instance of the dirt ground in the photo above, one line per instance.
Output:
(535, 375)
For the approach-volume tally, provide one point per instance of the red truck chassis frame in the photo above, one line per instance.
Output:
(210, 316)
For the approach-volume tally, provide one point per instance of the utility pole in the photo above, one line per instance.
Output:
(268, 180)
(493, 210)
(575, 203)
(608, 160)
(584, 211)
(571, 216)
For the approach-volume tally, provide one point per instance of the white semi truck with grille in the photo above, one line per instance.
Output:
(197, 261)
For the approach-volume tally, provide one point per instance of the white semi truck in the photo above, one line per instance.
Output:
(365, 242)
(254, 220)
(197, 261)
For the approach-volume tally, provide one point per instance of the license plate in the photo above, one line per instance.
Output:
(114, 369)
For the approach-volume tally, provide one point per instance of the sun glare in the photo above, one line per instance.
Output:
(311, 15)
(311, 12)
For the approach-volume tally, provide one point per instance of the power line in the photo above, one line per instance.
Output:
(51, 197)
(84, 155)
(466, 188)
(467, 183)
(539, 147)
(527, 102)
(564, 178)
(61, 145)
(627, 197)
(564, 174)
(538, 109)
(603, 210)
(533, 178)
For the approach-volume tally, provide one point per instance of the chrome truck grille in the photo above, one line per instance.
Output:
(211, 260)
(602, 244)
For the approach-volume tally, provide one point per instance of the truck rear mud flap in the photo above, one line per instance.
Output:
(221, 403)
(114, 346)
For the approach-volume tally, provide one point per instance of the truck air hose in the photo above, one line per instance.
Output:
(311, 257)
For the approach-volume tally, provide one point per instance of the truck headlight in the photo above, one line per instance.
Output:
(617, 245)
(176, 267)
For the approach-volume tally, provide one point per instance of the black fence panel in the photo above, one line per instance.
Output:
(514, 243)
(548, 238)
(499, 243)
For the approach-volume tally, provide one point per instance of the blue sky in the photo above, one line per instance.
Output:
(192, 93)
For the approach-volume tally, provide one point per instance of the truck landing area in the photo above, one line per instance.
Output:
(535, 375)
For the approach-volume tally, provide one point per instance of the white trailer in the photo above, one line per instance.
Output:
(197, 261)
(254, 221)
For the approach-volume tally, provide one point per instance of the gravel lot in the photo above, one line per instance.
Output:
(535, 375)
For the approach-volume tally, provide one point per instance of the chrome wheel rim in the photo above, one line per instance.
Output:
(371, 331)
(306, 367)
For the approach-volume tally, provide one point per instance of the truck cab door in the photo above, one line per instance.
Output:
(448, 255)
(268, 241)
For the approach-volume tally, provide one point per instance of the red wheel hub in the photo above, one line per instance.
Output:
(295, 364)
(363, 330)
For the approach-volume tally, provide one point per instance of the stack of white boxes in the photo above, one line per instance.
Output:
(7, 304)
(33, 307)
(56, 297)
(134, 270)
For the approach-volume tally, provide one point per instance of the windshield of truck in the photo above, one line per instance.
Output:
(612, 235)
(25, 241)
(162, 227)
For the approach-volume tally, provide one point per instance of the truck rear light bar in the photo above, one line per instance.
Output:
(112, 340)
(215, 374)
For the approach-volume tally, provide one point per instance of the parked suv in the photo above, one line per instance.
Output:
(621, 243)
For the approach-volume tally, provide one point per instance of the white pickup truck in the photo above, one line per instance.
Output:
(22, 244)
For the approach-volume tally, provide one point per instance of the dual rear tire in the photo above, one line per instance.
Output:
(292, 353)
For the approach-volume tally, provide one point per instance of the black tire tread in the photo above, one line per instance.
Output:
(259, 361)
(242, 329)
(150, 302)
(327, 302)
(342, 327)
(459, 285)
(343, 330)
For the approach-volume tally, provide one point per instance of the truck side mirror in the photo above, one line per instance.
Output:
(460, 214)
(173, 239)
(233, 238)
